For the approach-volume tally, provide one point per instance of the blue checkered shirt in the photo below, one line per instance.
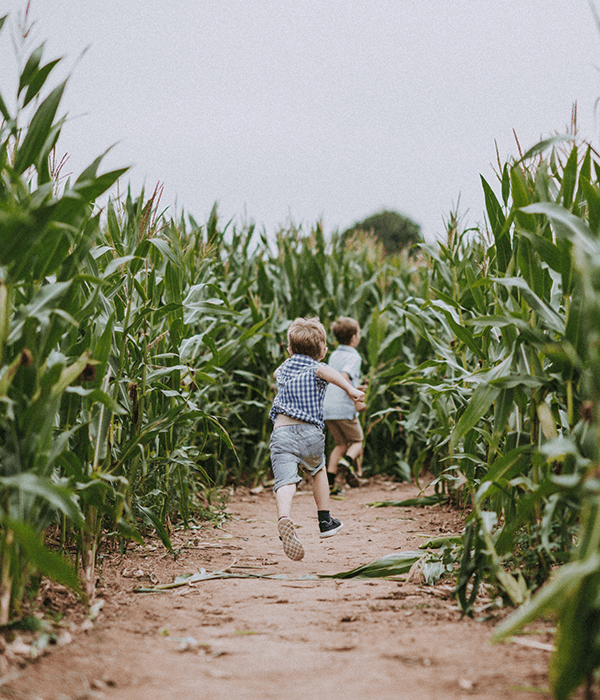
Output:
(300, 392)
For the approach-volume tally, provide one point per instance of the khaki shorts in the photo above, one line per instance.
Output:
(345, 431)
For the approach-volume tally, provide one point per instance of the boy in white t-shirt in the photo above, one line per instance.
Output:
(339, 412)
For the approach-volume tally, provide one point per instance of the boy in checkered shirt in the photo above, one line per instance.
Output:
(298, 438)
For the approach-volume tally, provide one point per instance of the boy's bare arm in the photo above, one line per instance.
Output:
(334, 377)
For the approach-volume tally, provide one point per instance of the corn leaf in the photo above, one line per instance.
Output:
(550, 598)
(566, 224)
(551, 318)
(150, 518)
(387, 566)
(38, 81)
(31, 68)
(47, 562)
(544, 145)
(38, 131)
(482, 399)
(420, 501)
(57, 496)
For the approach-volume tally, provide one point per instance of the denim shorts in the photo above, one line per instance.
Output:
(294, 446)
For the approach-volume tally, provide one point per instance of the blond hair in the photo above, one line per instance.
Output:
(344, 329)
(307, 336)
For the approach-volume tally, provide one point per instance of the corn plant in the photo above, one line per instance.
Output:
(99, 420)
(503, 326)
(43, 239)
(572, 593)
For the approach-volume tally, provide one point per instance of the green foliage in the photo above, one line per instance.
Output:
(99, 420)
(572, 593)
(393, 230)
(513, 352)
(137, 352)
(43, 237)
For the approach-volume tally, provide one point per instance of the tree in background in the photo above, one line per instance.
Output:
(394, 230)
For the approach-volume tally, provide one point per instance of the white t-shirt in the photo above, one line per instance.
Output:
(337, 404)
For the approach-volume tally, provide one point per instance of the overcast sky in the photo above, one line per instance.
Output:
(315, 110)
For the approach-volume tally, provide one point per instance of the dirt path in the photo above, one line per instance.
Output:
(285, 639)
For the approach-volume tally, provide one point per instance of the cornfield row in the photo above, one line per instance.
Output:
(136, 353)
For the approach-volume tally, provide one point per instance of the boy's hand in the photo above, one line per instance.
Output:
(356, 395)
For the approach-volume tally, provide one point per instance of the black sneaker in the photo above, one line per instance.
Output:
(330, 527)
(352, 478)
(336, 490)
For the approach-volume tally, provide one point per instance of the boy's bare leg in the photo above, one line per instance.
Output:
(336, 454)
(287, 531)
(283, 499)
(355, 452)
(321, 490)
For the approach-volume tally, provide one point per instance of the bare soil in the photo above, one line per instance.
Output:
(288, 638)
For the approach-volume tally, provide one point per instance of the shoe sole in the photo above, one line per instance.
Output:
(291, 544)
(352, 475)
(352, 480)
(331, 533)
